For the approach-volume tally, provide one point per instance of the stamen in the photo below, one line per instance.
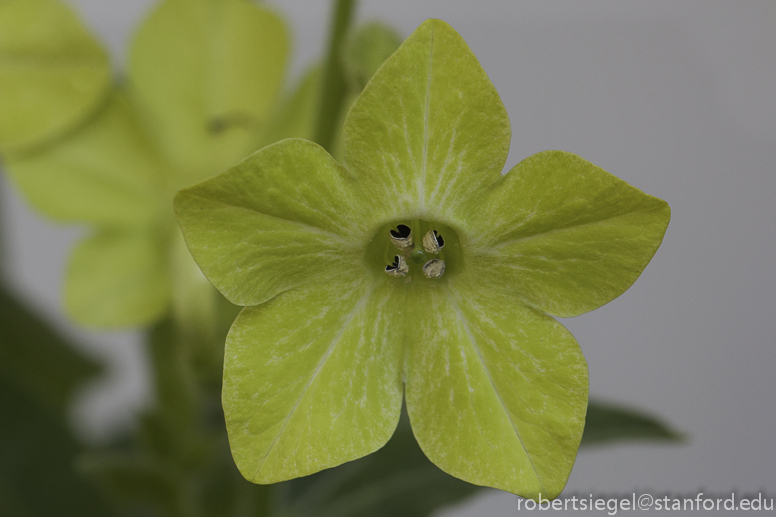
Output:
(402, 237)
(398, 268)
(433, 242)
(434, 268)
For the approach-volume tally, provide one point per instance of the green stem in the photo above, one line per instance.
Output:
(3, 257)
(334, 86)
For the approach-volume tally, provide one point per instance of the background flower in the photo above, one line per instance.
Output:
(496, 391)
(52, 73)
(200, 90)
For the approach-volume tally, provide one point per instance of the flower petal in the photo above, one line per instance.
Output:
(106, 173)
(429, 130)
(52, 72)
(496, 391)
(564, 235)
(208, 71)
(312, 379)
(285, 217)
(117, 279)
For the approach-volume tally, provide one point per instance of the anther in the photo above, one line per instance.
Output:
(433, 242)
(434, 268)
(398, 268)
(402, 237)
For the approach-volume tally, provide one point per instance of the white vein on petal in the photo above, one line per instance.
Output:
(301, 225)
(424, 165)
(359, 306)
(567, 225)
(473, 342)
(450, 156)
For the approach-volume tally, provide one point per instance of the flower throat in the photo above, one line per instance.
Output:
(416, 250)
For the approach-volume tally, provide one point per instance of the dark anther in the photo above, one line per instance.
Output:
(402, 232)
(433, 242)
(439, 239)
(393, 266)
(399, 267)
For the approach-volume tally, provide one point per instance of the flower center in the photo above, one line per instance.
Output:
(415, 250)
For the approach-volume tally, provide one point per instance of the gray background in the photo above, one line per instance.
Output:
(676, 97)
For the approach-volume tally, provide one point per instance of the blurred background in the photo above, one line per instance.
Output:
(678, 99)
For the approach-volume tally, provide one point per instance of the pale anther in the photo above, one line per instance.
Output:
(433, 242)
(402, 237)
(434, 268)
(398, 268)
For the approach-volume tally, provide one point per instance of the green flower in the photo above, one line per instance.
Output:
(415, 270)
(52, 73)
(199, 96)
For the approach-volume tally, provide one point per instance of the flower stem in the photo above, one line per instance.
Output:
(334, 86)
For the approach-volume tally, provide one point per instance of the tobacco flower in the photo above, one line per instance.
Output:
(415, 270)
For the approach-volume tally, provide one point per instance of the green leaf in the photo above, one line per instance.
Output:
(608, 423)
(143, 481)
(118, 278)
(39, 374)
(37, 360)
(134, 480)
(178, 462)
(396, 480)
(207, 73)
(106, 173)
(53, 74)
(565, 235)
(38, 451)
(276, 221)
(366, 50)
(224, 492)
(429, 130)
(312, 379)
(496, 392)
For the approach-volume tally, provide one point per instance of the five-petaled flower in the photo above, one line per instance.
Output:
(415, 270)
